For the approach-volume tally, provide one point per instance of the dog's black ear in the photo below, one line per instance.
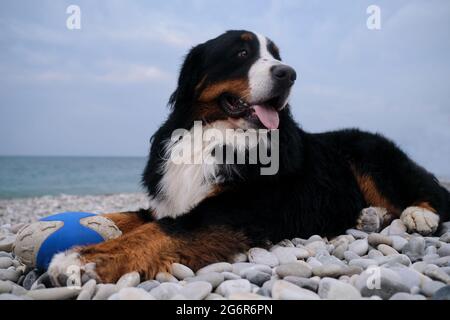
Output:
(189, 78)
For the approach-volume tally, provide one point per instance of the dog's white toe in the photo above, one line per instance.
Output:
(65, 269)
(420, 220)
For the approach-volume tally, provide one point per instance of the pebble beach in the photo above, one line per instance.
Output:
(389, 265)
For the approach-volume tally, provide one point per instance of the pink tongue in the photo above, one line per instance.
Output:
(267, 115)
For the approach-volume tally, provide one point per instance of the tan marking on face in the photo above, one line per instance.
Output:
(247, 36)
(237, 87)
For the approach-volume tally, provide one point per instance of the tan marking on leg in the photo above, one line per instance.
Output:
(126, 221)
(425, 205)
(372, 195)
(149, 250)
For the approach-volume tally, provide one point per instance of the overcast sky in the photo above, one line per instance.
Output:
(102, 90)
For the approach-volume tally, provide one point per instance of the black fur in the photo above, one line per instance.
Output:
(315, 190)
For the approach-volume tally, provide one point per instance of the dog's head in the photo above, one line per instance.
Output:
(237, 77)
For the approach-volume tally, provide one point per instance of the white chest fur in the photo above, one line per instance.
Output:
(186, 183)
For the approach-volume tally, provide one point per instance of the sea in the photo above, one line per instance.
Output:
(22, 177)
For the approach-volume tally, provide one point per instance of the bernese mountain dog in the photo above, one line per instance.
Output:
(205, 212)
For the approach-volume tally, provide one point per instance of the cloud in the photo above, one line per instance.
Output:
(134, 74)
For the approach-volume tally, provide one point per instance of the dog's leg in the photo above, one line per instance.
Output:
(149, 249)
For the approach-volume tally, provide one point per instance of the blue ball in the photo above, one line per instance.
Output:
(37, 243)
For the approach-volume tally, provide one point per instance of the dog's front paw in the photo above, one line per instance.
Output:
(420, 220)
(371, 219)
(68, 269)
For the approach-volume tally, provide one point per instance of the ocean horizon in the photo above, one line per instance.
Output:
(35, 176)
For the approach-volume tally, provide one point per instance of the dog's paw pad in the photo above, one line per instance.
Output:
(420, 220)
(371, 219)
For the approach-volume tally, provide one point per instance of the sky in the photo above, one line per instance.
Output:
(103, 89)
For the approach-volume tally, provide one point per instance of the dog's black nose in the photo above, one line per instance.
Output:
(284, 74)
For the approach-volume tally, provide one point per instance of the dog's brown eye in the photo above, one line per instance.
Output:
(243, 54)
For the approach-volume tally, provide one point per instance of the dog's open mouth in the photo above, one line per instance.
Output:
(265, 112)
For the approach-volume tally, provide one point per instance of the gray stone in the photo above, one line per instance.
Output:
(233, 276)
(398, 243)
(415, 248)
(166, 290)
(266, 289)
(285, 243)
(333, 289)
(5, 262)
(313, 238)
(88, 290)
(374, 253)
(444, 250)
(6, 286)
(10, 297)
(165, 277)
(30, 278)
(434, 272)
(64, 293)
(214, 278)
(229, 287)
(9, 274)
(357, 234)
(296, 269)
(384, 284)
(131, 293)
(397, 228)
(327, 259)
(350, 255)
(445, 237)
(299, 242)
(284, 254)
(196, 290)
(407, 296)
(284, 290)
(399, 258)
(104, 291)
(257, 277)
(215, 267)
(363, 263)
(431, 250)
(376, 239)
(6, 243)
(409, 276)
(240, 257)
(240, 268)
(329, 270)
(442, 294)
(4, 254)
(131, 279)
(429, 288)
(41, 282)
(214, 296)
(306, 283)
(246, 296)
(359, 247)
(313, 262)
(262, 256)
(440, 262)
(181, 272)
(387, 250)
(316, 246)
(339, 251)
(148, 285)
